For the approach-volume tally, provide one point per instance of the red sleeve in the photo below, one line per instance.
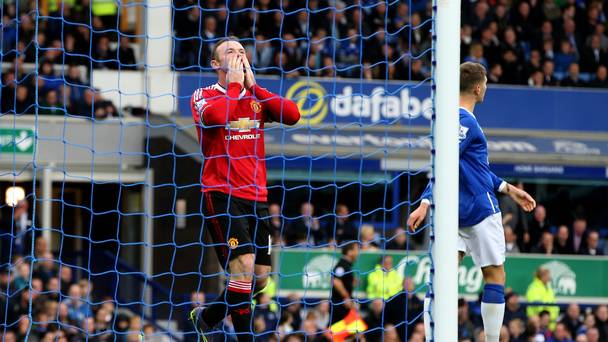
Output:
(216, 111)
(278, 108)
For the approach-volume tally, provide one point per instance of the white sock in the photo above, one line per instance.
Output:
(492, 315)
(426, 316)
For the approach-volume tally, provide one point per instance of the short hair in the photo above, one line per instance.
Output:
(471, 74)
(220, 42)
(349, 247)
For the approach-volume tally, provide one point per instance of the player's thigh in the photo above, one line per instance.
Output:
(486, 242)
(227, 226)
(262, 233)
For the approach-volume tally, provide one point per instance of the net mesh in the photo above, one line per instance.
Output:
(108, 241)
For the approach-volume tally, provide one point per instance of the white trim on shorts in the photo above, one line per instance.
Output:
(485, 241)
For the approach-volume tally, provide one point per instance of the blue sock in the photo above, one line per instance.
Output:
(492, 310)
(493, 293)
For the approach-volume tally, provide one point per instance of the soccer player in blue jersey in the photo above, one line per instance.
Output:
(481, 233)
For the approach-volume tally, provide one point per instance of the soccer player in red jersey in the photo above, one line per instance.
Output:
(230, 117)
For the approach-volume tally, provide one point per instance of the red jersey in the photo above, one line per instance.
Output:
(230, 127)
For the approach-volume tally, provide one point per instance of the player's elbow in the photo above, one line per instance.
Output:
(291, 113)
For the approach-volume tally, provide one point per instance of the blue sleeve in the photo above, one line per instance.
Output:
(469, 131)
(427, 194)
(496, 181)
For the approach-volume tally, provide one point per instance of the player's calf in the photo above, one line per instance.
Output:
(238, 295)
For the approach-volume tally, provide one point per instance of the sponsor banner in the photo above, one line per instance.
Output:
(549, 171)
(17, 140)
(405, 141)
(308, 272)
(330, 101)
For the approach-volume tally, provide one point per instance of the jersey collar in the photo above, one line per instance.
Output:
(218, 87)
(467, 111)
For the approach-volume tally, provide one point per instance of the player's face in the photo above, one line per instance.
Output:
(226, 52)
(481, 90)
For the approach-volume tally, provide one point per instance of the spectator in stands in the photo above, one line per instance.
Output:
(476, 55)
(197, 298)
(546, 325)
(51, 104)
(579, 236)
(8, 91)
(394, 309)
(572, 319)
(495, 74)
(534, 63)
(322, 315)
(306, 229)
(511, 66)
(24, 102)
(540, 291)
(592, 56)
(513, 215)
(591, 248)
(78, 308)
(513, 308)
(384, 281)
(510, 240)
(538, 225)
(103, 56)
(601, 78)
(573, 77)
(47, 80)
(561, 334)
(565, 57)
(548, 73)
(548, 50)
(593, 335)
(562, 242)
(546, 244)
(341, 223)
(276, 221)
(588, 323)
(375, 320)
(466, 330)
(75, 89)
(367, 238)
(398, 241)
(516, 330)
(601, 321)
(536, 79)
(126, 54)
(263, 54)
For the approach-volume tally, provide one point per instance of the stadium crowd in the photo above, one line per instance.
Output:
(64, 305)
(536, 43)
(524, 233)
(65, 45)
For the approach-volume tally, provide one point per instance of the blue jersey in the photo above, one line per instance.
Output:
(477, 183)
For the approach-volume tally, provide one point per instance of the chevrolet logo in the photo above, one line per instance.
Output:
(243, 125)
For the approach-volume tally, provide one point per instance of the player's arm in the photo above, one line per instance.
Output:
(278, 108)
(220, 110)
(418, 215)
(521, 197)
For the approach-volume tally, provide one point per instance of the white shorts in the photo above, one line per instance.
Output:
(485, 241)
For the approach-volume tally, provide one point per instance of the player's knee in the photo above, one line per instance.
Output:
(494, 274)
(245, 264)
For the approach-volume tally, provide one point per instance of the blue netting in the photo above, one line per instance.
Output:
(110, 241)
